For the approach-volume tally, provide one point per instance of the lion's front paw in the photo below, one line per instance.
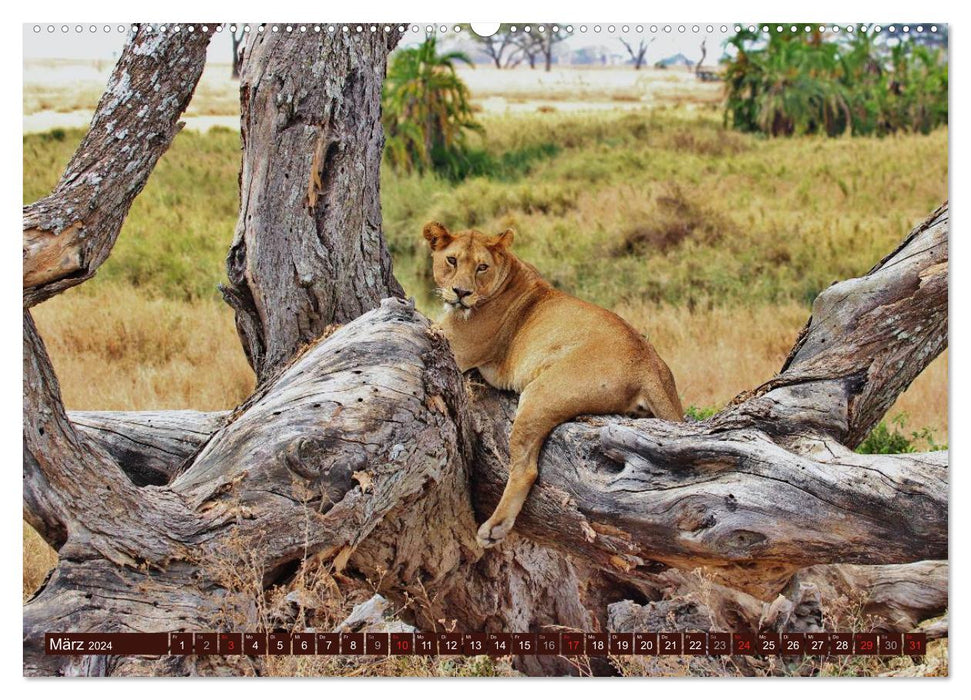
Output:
(493, 532)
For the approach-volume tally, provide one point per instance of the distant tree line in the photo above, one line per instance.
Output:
(514, 44)
(859, 82)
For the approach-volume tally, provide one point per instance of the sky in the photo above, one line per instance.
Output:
(104, 42)
(106, 45)
(93, 42)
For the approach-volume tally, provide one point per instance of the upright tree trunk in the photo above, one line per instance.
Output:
(308, 250)
(237, 38)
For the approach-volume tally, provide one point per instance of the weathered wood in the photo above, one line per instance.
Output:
(75, 495)
(628, 494)
(839, 598)
(118, 545)
(308, 249)
(887, 598)
(867, 339)
(357, 445)
(668, 615)
(365, 451)
(70, 232)
(934, 628)
(149, 446)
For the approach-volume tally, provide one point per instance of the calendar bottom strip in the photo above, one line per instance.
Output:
(490, 644)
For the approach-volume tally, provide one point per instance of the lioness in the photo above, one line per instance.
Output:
(564, 356)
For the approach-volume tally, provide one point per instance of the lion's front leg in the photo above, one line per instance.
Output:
(533, 423)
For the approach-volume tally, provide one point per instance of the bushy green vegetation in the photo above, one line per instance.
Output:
(696, 413)
(798, 82)
(891, 439)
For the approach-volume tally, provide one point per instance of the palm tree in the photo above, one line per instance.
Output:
(426, 108)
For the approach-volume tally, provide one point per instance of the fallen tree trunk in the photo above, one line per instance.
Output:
(366, 453)
(149, 446)
(867, 339)
(629, 494)
(886, 598)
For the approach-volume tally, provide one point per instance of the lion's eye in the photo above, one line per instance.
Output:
(482, 268)
(450, 260)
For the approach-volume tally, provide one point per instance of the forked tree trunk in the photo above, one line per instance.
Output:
(309, 249)
(366, 452)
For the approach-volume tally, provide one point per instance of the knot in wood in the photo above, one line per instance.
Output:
(298, 458)
(695, 517)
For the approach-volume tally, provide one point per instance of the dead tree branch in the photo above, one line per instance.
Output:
(70, 232)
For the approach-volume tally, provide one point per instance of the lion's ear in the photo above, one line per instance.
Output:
(503, 240)
(437, 235)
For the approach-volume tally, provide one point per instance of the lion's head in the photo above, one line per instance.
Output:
(469, 266)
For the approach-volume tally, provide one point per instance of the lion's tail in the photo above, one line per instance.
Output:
(658, 395)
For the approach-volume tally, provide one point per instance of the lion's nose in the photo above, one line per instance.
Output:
(461, 293)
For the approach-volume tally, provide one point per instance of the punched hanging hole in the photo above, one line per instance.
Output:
(485, 28)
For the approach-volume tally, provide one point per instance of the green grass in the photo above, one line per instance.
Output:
(661, 206)
(665, 208)
(176, 236)
(890, 439)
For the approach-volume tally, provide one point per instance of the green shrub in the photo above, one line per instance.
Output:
(889, 440)
(426, 110)
(800, 83)
(694, 413)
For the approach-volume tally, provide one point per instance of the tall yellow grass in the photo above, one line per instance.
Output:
(114, 348)
(717, 353)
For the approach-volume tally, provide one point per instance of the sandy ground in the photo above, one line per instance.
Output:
(612, 84)
(63, 94)
(48, 119)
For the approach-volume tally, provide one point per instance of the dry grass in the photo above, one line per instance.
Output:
(587, 86)
(39, 558)
(316, 599)
(114, 348)
(717, 353)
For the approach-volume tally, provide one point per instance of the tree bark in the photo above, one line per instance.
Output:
(363, 450)
(70, 232)
(630, 495)
(149, 446)
(237, 35)
(308, 250)
(357, 445)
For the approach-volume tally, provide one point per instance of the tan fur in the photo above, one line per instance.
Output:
(564, 356)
